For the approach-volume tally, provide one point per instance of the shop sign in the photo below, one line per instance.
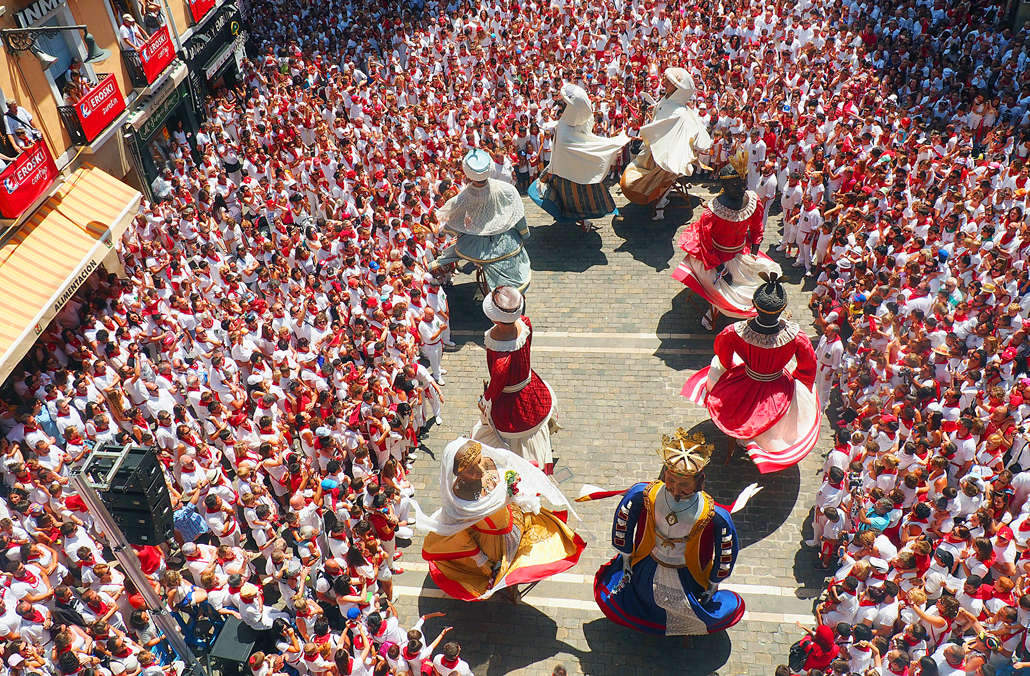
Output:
(213, 68)
(159, 114)
(200, 8)
(100, 106)
(204, 42)
(156, 53)
(35, 12)
(22, 182)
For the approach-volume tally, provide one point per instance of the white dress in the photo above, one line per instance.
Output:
(668, 591)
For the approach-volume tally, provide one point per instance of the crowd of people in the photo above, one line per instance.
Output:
(902, 179)
(279, 291)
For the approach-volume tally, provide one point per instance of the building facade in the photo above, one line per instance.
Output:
(94, 94)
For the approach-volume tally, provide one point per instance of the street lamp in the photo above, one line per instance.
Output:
(24, 40)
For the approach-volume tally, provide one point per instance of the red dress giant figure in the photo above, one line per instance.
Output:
(518, 405)
(723, 264)
(749, 393)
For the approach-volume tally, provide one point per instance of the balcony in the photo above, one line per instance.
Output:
(101, 106)
(147, 63)
(130, 57)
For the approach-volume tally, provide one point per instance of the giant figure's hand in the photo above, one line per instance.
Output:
(722, 273)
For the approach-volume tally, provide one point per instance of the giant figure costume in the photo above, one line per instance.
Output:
(518, 407)
(572, 188)
(489, 221)
(491, 532)
(723, 264)
(748, 391)
(675, 546)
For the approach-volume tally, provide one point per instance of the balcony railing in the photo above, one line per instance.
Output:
(134, 65)
(91, 115)
(72, 125)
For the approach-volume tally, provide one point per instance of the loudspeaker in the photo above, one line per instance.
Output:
(137, 497)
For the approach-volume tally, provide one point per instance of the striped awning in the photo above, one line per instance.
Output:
(57, 250)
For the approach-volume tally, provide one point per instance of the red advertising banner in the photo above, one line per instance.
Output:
(22, 182)
(100, 106)
(199, 8)
(156, 54)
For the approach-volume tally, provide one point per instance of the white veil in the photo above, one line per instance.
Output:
(677, 134)
(579, 155)
(483, 210)
(455, 514)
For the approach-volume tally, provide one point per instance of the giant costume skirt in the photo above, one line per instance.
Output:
(733, 300)
(643, 181)
(569, 202)
(533, 444)
(529, 547)
(786, 435)
(636, 605)
(669, 599)
(503, 257)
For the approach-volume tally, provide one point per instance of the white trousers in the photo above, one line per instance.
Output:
(804, 250)
(823, 384)
(433, 354)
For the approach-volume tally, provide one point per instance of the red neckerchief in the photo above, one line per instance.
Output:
(99, 609)
(450, 664)
(28, 577)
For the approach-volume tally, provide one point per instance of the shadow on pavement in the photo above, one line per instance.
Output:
(563, 247)
(765, 512)
(650, 242)
(497, 637)
(619, 650)
(804, 558)
(684, 317)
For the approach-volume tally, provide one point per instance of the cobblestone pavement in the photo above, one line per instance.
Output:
(616, 337)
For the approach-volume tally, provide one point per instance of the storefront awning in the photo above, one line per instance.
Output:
(57, 250)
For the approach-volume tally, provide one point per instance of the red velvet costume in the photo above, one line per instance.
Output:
(516, 410)
(744, 407)
(724, 236)
(752, 398)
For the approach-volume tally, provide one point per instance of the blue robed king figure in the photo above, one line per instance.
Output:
(675, 546)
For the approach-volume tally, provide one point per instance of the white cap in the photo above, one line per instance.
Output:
(478, 164)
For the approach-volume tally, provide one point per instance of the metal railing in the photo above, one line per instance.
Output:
(135, 67)
(72, 125)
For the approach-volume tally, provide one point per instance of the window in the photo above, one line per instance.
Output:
(63, 46)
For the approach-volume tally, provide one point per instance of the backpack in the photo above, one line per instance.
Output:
(798, 654)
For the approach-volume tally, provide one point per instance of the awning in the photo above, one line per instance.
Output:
(50, 257)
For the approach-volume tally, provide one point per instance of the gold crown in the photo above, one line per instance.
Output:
(685, 454)
(739, 163)
(469, 455)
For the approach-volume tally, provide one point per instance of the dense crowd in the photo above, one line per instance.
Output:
(903, 184)
(280, 289)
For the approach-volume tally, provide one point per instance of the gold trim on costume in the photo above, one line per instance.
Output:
(505, 257)
(693, 541)
(739, 162)
(727, 249)
(762, 377)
